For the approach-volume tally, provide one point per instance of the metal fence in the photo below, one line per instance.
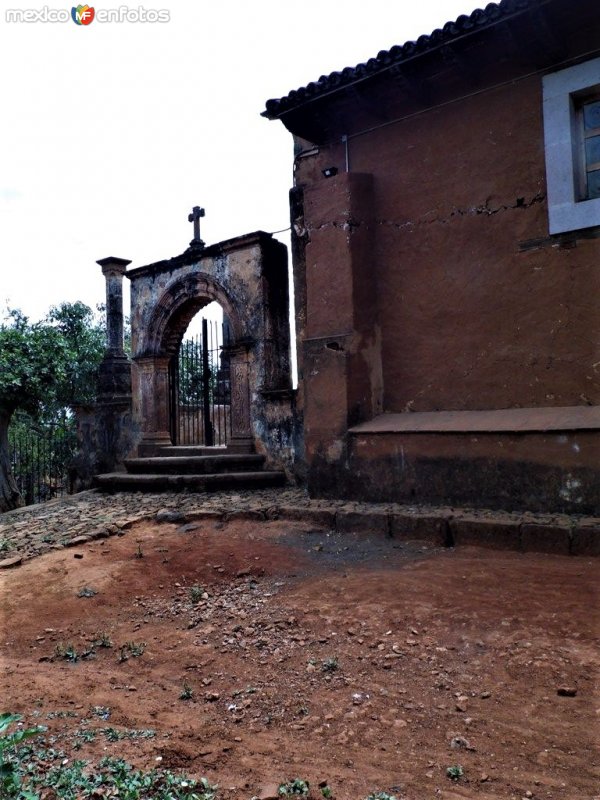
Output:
(200, 392)
(41, 454)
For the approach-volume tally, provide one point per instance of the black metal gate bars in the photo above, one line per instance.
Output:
(199, 390)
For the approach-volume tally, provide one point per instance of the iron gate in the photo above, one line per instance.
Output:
(41, 453)
(200, 391)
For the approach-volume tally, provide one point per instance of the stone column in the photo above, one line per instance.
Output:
(153, 377)
(113, 270)
(115, 370)
(106, 431)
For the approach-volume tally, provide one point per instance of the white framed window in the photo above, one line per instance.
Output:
(572, 146)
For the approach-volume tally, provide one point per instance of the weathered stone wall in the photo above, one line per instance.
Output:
(248, 277)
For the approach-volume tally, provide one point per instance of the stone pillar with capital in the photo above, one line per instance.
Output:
(114, 380)
(106, 431)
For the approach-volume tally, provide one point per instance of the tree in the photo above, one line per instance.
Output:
(44, 367)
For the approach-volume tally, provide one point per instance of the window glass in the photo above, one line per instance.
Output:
(592, 150)
(591, 115)
(593, 183)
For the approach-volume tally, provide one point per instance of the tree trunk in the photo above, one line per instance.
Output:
(9, 494)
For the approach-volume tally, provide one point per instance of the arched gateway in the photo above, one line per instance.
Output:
(248, 277)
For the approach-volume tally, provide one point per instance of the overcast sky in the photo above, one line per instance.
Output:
(111, 132)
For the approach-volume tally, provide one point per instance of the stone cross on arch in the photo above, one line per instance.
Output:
(195, 217)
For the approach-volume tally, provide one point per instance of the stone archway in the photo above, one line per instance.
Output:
(248, 277)
(159, 344)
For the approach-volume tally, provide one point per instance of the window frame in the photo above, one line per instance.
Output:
(564, 94)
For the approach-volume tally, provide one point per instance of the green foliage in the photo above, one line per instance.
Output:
(114, 735)
(111, 777)
(380, 796)
(102, 639)
(187, 693)
(195, 593)
(66, 652)
(296, 787)
(84, 337)
(50, 364)
(133, 649)
(455, 772)
(46, 368)
(330, 664)
(33, 359)
(10, 780)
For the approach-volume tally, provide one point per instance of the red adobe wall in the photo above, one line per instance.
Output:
(469, 321)
(419, 289)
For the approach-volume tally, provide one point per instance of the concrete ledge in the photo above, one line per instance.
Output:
(427, 527)
(317, 516)
(539, 538)
(505, 420)
(362, 522)
(585, 539)
(499, 533)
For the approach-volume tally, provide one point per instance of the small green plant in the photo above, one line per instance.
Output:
(102, 640)
(111, 777)
(84, 736)
(380, 796)
(10, 781)
(60, 714)
(4, 545)
(455, 772)
(187, 693)
(330, 664)
(296, 787)
(326, 792)
(131, 649)
(114, 735)
(195, 594)
(66, 652)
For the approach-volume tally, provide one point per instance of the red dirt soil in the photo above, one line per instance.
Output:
(366, 662)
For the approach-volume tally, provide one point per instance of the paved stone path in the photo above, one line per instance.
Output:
(29, 532)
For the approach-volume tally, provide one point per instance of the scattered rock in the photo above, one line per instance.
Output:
(462, 703)
(460, 743)
(8, 563)
(166, 515)
(77, 541)
(270, 792)
(189, 527)
(566, 691)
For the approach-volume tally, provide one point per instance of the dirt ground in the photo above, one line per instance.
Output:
(368, 663)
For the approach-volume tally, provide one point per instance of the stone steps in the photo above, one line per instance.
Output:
(195, 464)
(176, 451)
(203, 482)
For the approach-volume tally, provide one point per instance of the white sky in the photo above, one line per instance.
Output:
(110, 133)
